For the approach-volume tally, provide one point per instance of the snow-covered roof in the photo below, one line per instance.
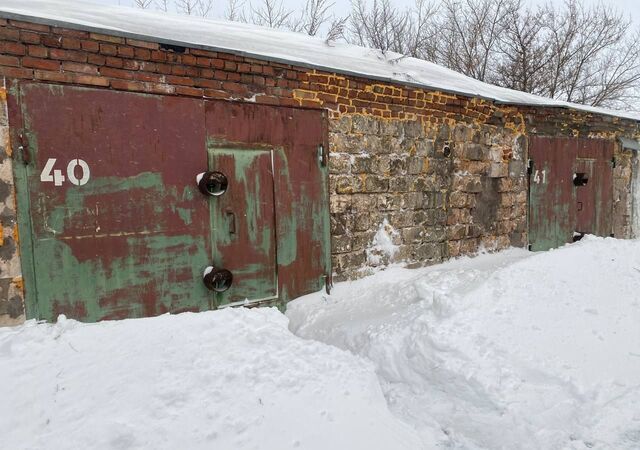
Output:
(264, 43)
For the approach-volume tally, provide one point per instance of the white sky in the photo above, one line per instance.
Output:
(631, 7)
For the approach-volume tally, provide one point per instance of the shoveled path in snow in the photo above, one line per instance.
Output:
(504, 351)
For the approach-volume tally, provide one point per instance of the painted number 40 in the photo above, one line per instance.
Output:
(49, 174)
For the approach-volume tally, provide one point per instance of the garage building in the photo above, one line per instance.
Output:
(153, 163)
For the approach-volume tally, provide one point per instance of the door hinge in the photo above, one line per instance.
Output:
(328, 283)
(23, 149)
(322, 155)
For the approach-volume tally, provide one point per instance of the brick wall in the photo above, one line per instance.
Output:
(441, 174)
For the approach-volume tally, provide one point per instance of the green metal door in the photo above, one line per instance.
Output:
(243, 225)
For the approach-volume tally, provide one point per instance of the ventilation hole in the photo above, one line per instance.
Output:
(173, 48)
(580, 179)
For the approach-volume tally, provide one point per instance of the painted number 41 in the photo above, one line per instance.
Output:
(49, 174)
(540, 176)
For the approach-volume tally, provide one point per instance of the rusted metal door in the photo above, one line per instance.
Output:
(243, 225)
(111, 222)
(298, 141)
(115, 218)
(570, 190)
(593, 182)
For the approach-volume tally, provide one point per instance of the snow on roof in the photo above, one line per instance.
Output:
(275, 45)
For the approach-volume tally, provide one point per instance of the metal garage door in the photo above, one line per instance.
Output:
(113, 223)
(570, 190)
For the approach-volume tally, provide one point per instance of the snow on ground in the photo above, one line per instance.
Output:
(231, 380)
(507, 351)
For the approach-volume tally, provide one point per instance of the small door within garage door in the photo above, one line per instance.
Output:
(570, 190)
(114, 223)
(243, 224)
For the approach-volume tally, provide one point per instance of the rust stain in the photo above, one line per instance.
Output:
(18, 282)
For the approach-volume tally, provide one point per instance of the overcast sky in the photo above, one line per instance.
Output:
(630, 7)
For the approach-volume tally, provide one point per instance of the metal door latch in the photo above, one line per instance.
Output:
(322, 155)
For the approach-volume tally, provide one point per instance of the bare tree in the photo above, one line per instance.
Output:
(470, 31)
(337, 30)
(235, 11)
(524, 53)
(162, 5)
(143, 4)
(588, 45)
(314, 15)
(385, 27)
(194, 7)
(617, 77)
(270, 13)
(378, 26)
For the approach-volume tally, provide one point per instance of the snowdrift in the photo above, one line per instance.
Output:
(505, 351)
(230, 380)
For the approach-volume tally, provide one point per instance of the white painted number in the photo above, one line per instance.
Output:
(49, 174)
(71, 174)
(537, 178)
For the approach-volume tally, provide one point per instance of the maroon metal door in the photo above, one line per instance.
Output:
(300, 183)
(111, 222)
(593, 181)
(570, 190)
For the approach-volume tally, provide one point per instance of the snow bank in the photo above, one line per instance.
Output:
(233, 379)
(275, 45)
(513, 350)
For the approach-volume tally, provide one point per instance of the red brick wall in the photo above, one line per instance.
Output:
(60, 55)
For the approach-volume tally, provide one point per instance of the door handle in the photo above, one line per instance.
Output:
(579, 206)
(231, 221)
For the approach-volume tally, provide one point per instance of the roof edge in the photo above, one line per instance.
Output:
(291, 62)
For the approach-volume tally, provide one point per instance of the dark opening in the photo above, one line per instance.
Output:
(173, 48)
(577, 235)
(446, 150)
(217, 280)
(580, 179)
(213, 183)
